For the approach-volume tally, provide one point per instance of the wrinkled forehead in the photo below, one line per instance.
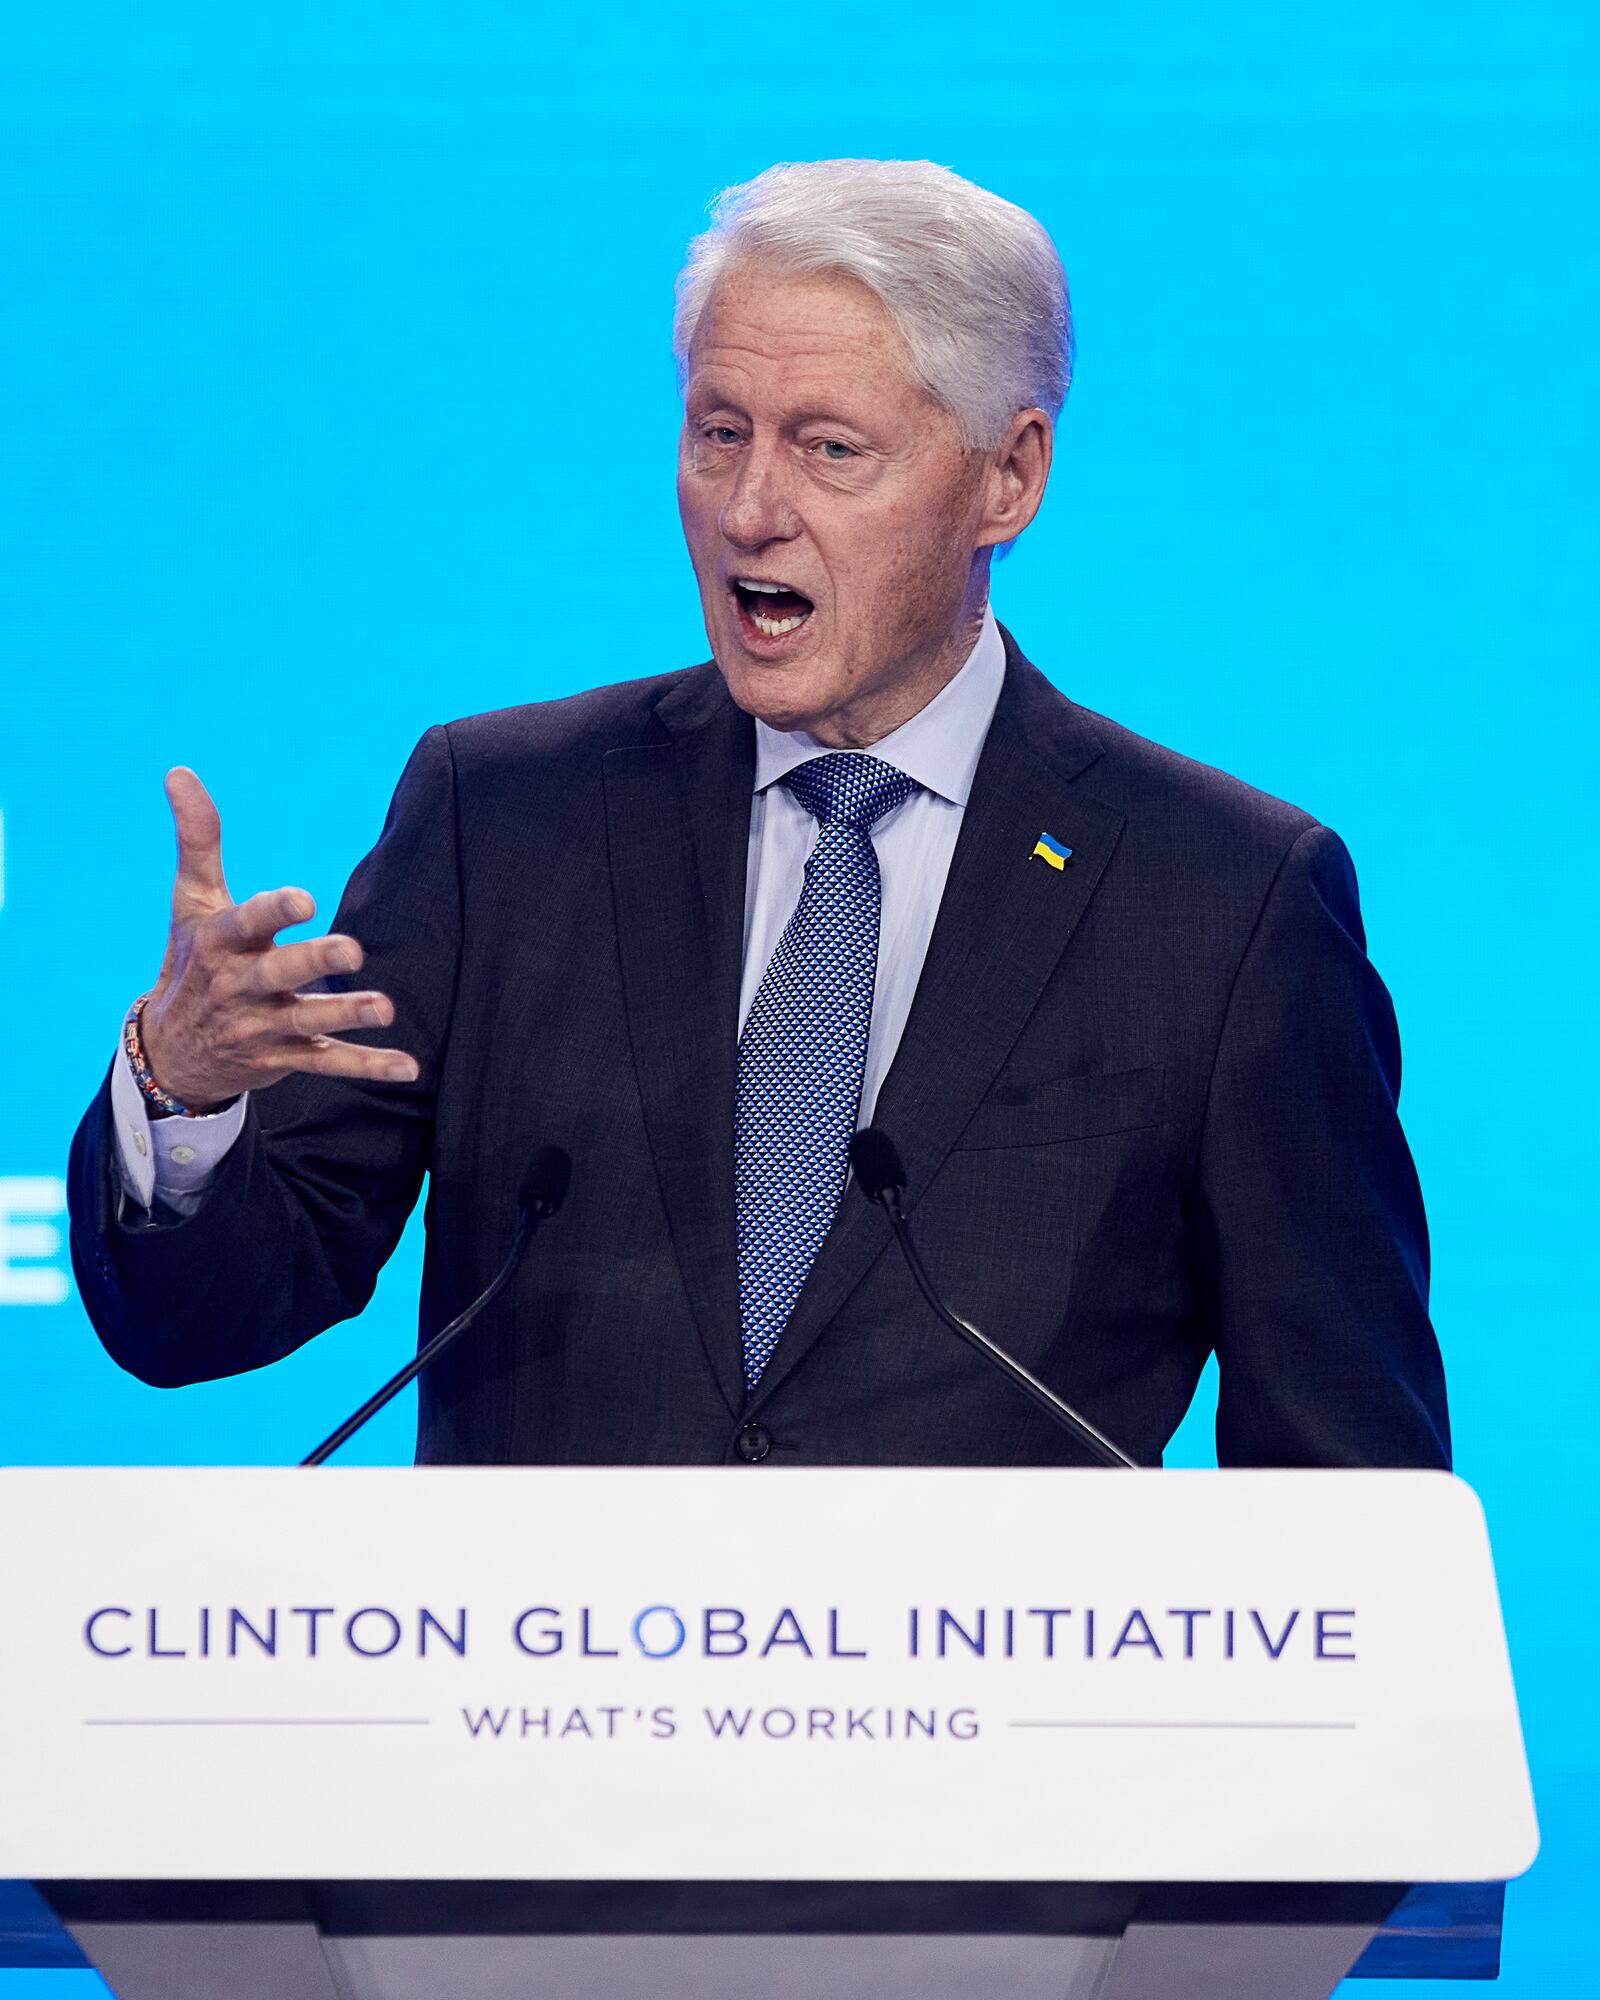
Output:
(798, 344)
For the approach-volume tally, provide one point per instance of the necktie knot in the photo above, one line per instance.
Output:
(849, 787)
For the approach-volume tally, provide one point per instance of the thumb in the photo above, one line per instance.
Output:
(199, 829)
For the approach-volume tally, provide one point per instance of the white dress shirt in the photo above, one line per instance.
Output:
(939, 747)
(172, 1157)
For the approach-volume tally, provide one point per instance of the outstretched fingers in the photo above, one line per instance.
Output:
(325, 1056)
(317, 1014)
(230, 1012)
(265, 974)
(253, 924)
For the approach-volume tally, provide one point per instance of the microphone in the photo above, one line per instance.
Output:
(541, 1193)
(882, 1179)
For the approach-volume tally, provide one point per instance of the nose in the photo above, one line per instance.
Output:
(759, 507)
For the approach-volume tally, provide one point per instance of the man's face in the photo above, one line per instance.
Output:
(813, 459)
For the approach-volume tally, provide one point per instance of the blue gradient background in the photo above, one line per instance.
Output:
(336, 400)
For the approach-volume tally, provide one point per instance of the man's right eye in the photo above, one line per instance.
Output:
(722, 434)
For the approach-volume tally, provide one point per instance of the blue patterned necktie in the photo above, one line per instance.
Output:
(804, 1046)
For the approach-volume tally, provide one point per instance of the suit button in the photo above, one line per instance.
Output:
(753, 1443)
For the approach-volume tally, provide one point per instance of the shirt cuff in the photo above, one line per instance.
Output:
(167, 1156)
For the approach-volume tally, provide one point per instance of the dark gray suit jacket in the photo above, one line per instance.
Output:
(1146, 1104)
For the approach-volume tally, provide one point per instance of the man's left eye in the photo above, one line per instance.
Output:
(835, 449)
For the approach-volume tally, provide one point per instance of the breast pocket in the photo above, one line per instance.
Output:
(1075, 1107)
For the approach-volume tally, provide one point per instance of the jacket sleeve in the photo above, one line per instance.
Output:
(1312, 1241)
(308, 1203)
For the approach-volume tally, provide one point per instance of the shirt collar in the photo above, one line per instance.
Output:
(939, 746)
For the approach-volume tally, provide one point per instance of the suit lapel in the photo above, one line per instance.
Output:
(678, 821)
(1003, 923)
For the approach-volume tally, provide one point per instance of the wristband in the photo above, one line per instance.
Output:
(133, 1048)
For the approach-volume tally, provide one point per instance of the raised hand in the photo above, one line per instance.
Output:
(227, 1014)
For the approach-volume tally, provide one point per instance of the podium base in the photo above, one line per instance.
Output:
(720, 1941)
(294, 1962)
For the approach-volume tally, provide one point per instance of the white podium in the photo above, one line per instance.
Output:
(380, 1735)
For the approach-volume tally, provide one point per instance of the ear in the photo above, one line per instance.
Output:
(1019, 470)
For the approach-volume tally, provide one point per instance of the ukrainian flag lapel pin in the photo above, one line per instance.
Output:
(1048, 848)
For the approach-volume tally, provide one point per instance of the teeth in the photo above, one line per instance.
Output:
(749, 583)
(773, 627)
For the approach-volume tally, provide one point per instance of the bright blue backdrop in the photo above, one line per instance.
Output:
(336, 400)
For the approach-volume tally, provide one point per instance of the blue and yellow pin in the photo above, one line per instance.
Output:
(1048, 848)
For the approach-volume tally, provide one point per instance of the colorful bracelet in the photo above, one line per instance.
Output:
(133, 1048)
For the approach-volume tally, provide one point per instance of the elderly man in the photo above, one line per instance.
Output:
(867, 864)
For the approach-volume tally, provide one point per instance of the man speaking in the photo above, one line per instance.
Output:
(867, 865)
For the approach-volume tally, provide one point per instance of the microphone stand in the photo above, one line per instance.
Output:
(1094, 1442)
(427, 1354)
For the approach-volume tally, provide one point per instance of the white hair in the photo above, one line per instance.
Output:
(972, 282)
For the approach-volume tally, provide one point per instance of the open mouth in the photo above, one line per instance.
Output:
(769, 609)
